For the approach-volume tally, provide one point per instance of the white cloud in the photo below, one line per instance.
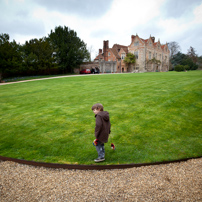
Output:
(125, 14)
(170, 26)
(118, 20)
(118, 23)
(198, 14)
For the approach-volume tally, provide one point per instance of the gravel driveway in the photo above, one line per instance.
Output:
(170, 182)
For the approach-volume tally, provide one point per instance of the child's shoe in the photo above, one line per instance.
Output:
(99, 160)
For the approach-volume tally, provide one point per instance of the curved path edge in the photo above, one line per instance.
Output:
(90, 167)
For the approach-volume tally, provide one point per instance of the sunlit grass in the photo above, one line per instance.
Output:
(154, 117)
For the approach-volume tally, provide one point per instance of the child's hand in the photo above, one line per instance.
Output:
(95, 142)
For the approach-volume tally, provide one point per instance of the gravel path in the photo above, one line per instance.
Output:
(171, 182)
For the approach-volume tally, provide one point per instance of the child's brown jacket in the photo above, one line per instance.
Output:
(102, 126)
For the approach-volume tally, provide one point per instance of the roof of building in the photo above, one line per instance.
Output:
(115, 52)
(99, 57)
(117, 47)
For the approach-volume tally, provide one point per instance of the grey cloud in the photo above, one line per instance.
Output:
(27, 27)
(192, 38)
(84, 8)
(144, 31)
(178, 8)
(22, 14)
(19, 21)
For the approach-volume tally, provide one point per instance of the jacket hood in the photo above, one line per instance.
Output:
(104, 115)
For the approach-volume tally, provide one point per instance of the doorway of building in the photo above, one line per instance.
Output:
(157, 68)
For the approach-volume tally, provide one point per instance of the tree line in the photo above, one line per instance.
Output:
(59, 53)
(183, 62)
(63, 50)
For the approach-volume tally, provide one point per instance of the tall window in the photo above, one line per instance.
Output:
(136, 54)
(136, 43)
(123, 56)
(149, 55)
(109, 54)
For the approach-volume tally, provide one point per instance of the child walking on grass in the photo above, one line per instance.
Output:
(102, 130)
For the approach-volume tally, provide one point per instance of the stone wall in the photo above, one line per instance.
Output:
(108, 66)
(104, 66)
(89, 65)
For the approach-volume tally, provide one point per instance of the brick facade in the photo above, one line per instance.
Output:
(150, 55)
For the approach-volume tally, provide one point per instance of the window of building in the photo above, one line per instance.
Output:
(136, 54)
(149, 55)
(123, 56)
(136, 43)
(109, 54)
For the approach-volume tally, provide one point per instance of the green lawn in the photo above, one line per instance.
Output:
(154, 117)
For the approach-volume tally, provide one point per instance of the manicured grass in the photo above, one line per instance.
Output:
(23, 78)
(154, 117)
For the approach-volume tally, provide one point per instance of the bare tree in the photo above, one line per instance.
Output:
(92, 51)
(174, 48)
(192, 54)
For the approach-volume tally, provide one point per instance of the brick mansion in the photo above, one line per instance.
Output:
(151, 56)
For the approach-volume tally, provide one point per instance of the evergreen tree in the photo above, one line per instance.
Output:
(10, 57)
(69, 49)
(38, 56)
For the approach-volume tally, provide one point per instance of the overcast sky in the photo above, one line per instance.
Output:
(113, 20)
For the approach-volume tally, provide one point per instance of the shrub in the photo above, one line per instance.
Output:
(194, 67)
(187, 67)
(179, 68)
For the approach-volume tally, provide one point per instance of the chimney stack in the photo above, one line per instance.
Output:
(153, 38)
(132, 38)
(105, 49)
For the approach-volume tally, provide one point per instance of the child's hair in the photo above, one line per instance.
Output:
(98, 106)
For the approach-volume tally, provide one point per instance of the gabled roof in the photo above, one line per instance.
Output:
(163, 46)
(100, 56)
(155, 44)
(118, 47)
(125, 50)
(144, 40)
(115, 52)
